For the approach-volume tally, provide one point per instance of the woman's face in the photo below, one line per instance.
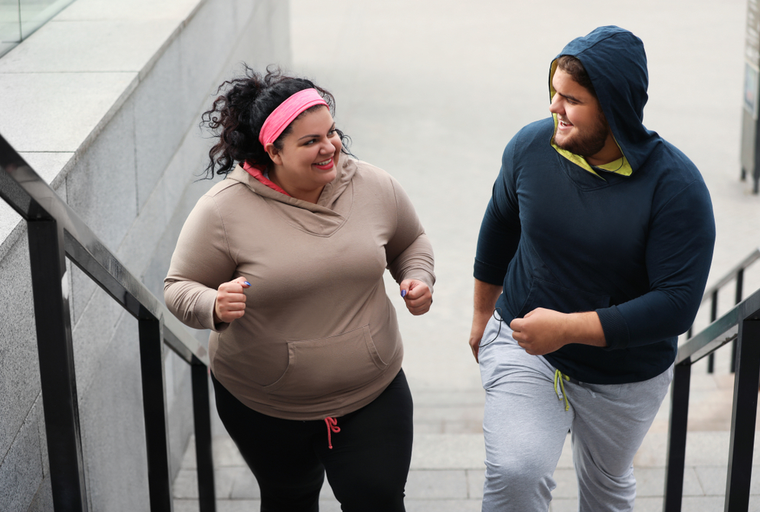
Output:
(309, 156)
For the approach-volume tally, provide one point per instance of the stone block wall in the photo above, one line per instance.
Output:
(104, 102)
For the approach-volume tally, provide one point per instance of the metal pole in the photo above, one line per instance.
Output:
(713, 317)
(743, 416)
(154, 407)
(737, 300)
(57, 375)
(679, 415)
(203, 446)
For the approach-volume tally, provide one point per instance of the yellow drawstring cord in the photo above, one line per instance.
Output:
(559, 376)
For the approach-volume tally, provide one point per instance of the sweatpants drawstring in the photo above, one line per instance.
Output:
(559, 376)
(332, 426)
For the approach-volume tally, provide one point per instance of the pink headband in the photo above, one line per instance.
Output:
(288, 110)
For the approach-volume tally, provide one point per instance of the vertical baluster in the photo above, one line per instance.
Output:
(57, 375)
(713, 317)
(154, 408)
(743, 416)
(679, 415)
(203, 446)
(738, 299)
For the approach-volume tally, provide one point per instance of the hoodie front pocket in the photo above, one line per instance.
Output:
(325, 366)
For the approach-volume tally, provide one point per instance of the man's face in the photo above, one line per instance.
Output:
(582, 128)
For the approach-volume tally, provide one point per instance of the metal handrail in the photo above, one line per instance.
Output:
(740, 325)
(56, 232)
(711, 294)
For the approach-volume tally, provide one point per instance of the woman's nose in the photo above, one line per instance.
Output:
(326, 147)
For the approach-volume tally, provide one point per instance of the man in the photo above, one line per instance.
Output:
(600, 234)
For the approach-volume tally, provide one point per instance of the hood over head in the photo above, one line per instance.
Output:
(616, 63)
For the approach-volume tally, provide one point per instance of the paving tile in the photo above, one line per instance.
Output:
(475, 480)
(564, 505)
(34, 121)
(448, 451)
(132, 10)
(713, 480)
(437, 484)
(90, 46)
(702, 504)
(186, 484)
(650, 482)
(224, 452)
(442, 506)
(244, 485)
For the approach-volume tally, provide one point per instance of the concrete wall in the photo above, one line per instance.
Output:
(104, 103)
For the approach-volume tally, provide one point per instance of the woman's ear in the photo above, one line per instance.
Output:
(273, 153)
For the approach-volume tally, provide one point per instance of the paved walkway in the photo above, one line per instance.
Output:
(431, 91)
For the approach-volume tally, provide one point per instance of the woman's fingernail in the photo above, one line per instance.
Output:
(247, 283)
(403, 293)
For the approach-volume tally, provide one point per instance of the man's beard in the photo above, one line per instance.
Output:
(589, 143)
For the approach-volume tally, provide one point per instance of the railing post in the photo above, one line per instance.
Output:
(713, 317)
(154, 407)
(57, 375)
(203, 447)
(738, 299)
(744, 416)
(679, 415)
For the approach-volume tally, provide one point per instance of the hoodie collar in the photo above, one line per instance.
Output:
(328, 199)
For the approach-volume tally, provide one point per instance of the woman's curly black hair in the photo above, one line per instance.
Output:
(237, 115)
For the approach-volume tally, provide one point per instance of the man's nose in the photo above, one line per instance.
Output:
(556, 105)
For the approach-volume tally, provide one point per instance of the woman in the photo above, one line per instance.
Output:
(284, 260)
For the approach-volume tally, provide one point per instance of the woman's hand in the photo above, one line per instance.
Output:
(230, 300)
(417, 296)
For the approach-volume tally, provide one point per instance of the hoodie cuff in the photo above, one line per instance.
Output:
(615, 328)
(488, 273)
(205, 308)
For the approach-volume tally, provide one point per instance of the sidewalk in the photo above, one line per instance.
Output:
(431, 91)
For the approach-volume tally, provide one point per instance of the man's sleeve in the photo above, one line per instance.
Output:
(678, 257)
(500, 228)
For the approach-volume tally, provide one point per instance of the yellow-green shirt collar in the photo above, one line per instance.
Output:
(619, 166)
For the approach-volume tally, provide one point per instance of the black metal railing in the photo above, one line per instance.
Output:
(742, 326)
(735, 274)
(56, 232)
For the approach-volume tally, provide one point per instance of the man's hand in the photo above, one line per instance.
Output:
(417, 296)
(230, 300)
(543, 331)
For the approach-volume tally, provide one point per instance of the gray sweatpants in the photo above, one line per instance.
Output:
(526, 423)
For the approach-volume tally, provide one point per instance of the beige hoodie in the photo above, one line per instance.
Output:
(319, 337)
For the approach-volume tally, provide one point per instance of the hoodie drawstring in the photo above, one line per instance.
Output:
(332, 426)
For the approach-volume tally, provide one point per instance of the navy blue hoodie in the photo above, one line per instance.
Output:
(634, 245)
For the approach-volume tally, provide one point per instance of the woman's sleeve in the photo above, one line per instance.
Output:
(201, 262)
(409, 252)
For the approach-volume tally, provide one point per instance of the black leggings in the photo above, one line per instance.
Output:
(367, 465)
